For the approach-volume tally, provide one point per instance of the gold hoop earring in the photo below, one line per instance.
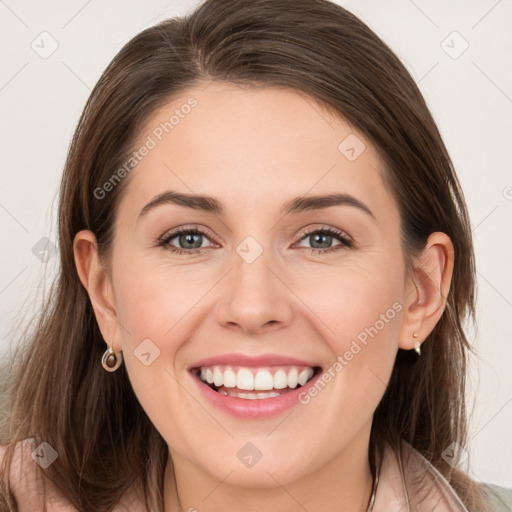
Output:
(111, 361)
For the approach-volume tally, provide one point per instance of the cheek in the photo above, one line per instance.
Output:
(154, 307)
(151, 299)
(359, 312)
(353, 301)
(152, 311)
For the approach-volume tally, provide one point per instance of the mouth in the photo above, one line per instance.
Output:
(255, 383)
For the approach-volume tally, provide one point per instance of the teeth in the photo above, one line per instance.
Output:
(218, 378)
(304, 376)
(263, 380)
(280, 380)
(256, 379)
(252, 396)
(293, 378)
(229, 379)
(244, 379)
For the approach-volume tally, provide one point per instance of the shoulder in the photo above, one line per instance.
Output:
(410, 482)
(27, 482)
(500, 498)
(23, 478)
(32, 491)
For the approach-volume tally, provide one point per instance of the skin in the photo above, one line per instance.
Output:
(254, 149)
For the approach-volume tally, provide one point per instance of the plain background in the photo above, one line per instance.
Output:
(469, 93)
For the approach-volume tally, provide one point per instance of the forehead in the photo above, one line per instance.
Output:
(253, 144)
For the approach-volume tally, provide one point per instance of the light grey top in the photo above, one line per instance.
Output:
(500, 498)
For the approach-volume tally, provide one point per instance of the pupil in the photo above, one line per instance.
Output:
(319, 235)
(189, 238)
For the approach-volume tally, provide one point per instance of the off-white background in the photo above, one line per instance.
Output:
(470, 97)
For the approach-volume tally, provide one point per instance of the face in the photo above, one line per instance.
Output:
(251, 292)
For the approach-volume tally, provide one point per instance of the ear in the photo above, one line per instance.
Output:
(98, 284)
(426, 290)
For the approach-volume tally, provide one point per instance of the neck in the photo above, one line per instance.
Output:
(343, 484)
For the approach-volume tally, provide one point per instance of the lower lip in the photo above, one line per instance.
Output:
(257, 408)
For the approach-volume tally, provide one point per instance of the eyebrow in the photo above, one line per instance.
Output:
(211, 205)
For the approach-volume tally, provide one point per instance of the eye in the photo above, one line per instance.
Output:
(324, 236)
(188, 238)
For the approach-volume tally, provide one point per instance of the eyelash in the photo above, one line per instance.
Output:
(346, 242)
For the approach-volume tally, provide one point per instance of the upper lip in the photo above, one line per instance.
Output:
(251, 361)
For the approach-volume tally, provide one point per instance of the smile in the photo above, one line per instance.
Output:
(254, 383)
(225, 388)
(254, 386)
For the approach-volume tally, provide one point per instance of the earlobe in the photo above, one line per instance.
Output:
(97, 282)
(427, 290)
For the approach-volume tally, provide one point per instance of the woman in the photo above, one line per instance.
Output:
(248, 371)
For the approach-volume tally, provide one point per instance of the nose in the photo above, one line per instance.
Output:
(255, 298)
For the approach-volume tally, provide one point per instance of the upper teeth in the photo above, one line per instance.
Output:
(256, 378)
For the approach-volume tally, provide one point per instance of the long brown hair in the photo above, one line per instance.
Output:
(105, 441)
